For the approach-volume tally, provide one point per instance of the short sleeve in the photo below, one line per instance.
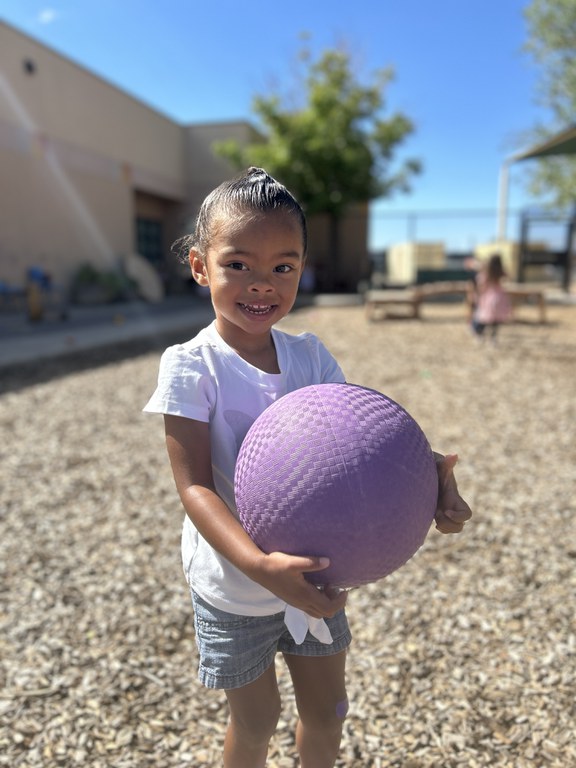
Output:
(185, 386)
(330, 371)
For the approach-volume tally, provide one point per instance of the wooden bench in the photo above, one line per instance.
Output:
(377, 302)
(522, 293)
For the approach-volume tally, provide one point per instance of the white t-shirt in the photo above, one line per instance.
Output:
(206, 380)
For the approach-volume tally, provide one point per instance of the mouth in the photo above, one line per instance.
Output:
(258, 310)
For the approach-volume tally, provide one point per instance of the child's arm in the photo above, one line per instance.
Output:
(452, 511)
(188, 443)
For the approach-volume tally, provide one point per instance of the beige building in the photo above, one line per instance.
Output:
(89, 174)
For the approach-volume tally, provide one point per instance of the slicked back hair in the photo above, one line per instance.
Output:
(253, 191)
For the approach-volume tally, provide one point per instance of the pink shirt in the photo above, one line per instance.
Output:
(494, 305)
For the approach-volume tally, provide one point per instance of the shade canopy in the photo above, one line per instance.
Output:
(563, 143)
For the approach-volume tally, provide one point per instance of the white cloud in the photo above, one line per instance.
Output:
(47, 16)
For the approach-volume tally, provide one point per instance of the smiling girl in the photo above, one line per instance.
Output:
(249, 249)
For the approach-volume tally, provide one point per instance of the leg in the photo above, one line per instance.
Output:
(478, 328)
(319, 686)
(254, 713)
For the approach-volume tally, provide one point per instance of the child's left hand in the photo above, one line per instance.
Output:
(452, 511)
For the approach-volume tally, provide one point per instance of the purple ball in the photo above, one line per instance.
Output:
(340, 471)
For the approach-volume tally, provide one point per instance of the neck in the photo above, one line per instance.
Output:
(258, 350)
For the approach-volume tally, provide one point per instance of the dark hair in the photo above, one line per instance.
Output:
(495, 269)
(253, 190)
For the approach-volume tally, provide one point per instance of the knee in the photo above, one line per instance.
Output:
(328, 719)
(342, 709)
(258, 726)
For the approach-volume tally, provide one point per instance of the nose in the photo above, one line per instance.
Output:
(260, 283)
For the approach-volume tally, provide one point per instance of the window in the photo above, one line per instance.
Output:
(150, 241)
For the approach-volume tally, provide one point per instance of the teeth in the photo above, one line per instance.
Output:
(257, 308)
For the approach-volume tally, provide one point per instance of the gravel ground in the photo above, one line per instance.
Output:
(464, 657)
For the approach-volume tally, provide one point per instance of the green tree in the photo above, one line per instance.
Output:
(335, 148)
(552, 44)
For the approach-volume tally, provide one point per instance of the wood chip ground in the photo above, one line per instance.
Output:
(464, 657)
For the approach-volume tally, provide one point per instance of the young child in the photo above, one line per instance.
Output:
(249, 248)
(492, 303)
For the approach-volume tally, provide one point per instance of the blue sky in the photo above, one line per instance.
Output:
(461, 76)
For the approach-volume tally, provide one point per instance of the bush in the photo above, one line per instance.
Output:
(93, 286)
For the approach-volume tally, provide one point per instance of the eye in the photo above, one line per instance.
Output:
(284, 268)
(237, 265)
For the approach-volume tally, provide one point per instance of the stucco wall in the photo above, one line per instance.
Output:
(61, 99)
(353, 263)
(80, 158)
(74, 151)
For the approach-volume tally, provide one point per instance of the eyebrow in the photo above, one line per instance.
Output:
(288, 256)
(233, 251)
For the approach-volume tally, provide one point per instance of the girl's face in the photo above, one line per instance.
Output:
(252, 267)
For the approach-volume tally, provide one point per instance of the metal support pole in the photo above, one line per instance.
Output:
(567, 274)
(503, 200)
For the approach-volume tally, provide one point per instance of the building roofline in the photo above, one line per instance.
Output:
(102, 78)
(120, 89)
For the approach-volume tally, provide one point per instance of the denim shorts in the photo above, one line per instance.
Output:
(236, 650)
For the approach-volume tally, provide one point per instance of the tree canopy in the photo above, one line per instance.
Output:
(336, 146)
(551, 42)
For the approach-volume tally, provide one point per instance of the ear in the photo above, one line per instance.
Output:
(198, 268)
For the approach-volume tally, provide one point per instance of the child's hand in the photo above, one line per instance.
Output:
(284, 576)
(452, 511)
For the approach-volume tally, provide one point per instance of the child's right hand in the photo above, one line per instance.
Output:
(284, 576)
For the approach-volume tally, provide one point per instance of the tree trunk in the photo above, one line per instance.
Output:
(334, 277)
